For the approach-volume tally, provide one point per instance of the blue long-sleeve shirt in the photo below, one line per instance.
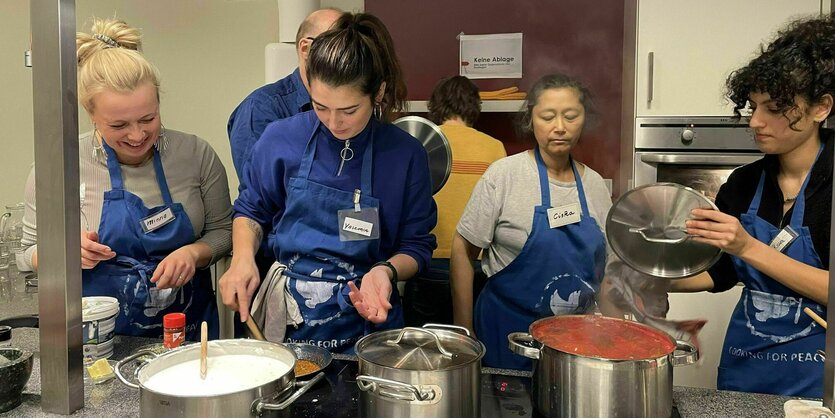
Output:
(400, 180)
(279, 100)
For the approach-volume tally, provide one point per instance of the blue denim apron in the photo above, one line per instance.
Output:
(127, 276)
(319, 264)
(770, 346)
(558, 272)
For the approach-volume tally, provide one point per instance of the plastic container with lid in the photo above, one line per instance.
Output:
(98, 314)
(174, 329)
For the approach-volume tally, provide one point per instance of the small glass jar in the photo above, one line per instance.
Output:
(174, 330)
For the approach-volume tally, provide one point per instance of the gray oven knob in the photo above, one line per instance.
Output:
(687, 136)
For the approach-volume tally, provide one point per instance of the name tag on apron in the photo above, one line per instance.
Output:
(359, 225)
(564, 215)
(783, 239)
(157, 220)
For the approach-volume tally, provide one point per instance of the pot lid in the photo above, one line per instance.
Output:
(436, 145)
(646, 229)
(602, 337)
(419, 349)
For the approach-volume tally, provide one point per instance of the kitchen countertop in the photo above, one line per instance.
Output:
(115, 399)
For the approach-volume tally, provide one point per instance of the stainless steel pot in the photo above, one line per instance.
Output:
(434, 371)
(570, 385)
(277, 394)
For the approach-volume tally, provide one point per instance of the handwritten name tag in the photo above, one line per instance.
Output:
(157, 220)
(783, 239)
(357, 226)
(564, 215)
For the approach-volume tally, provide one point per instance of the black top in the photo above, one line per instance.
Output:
(736, 194)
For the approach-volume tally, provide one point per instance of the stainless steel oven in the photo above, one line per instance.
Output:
(698, 152)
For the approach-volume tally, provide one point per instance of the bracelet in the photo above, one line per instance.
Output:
(391, 267)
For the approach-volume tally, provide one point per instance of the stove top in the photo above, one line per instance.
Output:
(338, 396)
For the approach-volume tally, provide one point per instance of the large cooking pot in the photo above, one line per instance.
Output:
(434, 371)
(245, 378)
(594, 366)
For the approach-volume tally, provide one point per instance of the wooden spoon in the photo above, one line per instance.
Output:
(253, 328)
(204, 349)
(815, 317)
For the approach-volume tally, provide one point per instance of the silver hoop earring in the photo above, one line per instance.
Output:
(378, 111)
(162, 140)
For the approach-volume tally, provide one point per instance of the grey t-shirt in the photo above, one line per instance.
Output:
(499, 214)
(196, 179)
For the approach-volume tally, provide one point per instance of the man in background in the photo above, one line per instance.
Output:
(279, 100)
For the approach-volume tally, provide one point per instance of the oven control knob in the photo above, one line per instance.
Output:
(687, 136)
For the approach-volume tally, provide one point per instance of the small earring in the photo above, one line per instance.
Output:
(98, 148)
(378, 111)
(162, 140)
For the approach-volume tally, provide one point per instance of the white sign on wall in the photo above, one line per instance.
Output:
(490, 56)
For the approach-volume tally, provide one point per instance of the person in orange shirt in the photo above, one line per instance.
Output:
(455, 105)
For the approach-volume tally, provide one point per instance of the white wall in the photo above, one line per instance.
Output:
(210, 55)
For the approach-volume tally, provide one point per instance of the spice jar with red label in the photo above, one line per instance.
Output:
(174, 330)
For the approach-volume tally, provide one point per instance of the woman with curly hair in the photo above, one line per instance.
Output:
(774, 217)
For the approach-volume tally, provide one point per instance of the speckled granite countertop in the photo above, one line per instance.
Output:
(113, 399)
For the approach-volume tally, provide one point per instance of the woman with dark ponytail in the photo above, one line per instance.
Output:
(344, 196)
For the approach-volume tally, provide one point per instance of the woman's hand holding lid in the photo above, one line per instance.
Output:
(371, 299)
(92, 252)
(238, 285)
(720, 230)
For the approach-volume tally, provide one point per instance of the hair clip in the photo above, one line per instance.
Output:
(108, 40)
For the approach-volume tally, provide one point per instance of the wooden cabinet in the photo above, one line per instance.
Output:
(686, 49)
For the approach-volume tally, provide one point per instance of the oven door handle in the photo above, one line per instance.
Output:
(702, 159)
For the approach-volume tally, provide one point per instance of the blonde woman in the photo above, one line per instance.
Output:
(155, 207)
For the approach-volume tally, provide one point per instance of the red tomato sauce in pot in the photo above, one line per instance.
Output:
(602, 337)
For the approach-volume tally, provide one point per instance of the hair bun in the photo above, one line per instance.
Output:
(106, 34)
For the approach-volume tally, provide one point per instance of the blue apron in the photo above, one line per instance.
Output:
(319, 264)
(770, 346)
(127, 276)
(558, 272)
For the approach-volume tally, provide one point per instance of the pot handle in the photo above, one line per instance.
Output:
(302, 388)
(685, 354)
(129, 359)
(395, 390)
(514, 340)
(441, 348)
(456, 328)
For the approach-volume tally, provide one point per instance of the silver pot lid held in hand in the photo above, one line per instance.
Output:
(419, 349)
(646, 229)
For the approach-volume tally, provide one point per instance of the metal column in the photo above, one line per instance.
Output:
(55, 103)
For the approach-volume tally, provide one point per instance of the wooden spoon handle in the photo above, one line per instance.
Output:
(204, 348)
(253, 328)
(815, 317)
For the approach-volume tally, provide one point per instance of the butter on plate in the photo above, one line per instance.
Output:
(100, 371)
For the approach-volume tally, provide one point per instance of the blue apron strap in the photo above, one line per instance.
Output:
(800, 202)
(161, 181)
(309, 152)
(113, 167)
(544, 186)
(581, 193)
(115, 172)
(367, 163)
(754, 207)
